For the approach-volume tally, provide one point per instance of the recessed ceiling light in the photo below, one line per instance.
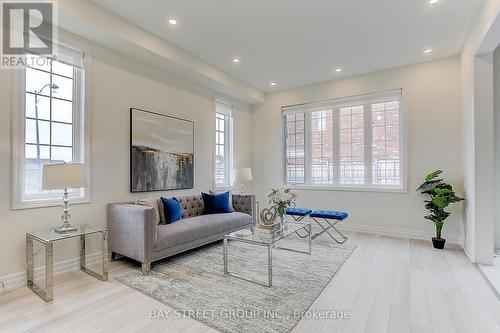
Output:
(427, 51)
(172, 21)
(338, 70)
(433, 2)
(273, 83)
(236, 60)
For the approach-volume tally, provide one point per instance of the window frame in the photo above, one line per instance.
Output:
(228, 148)
(81, 134)
(335, 104)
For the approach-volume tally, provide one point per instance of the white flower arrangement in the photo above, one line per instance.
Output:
(281, 199)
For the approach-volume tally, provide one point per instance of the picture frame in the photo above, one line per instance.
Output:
(161, 152)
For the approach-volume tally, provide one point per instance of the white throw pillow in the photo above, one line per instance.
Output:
(152, 202)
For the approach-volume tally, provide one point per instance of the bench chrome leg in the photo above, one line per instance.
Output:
(342, 240)
(331, 225)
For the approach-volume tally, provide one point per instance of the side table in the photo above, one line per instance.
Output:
(48, 237)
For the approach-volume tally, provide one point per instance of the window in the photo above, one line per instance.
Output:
(386, 143)
(50, 126)
(223, 145)
(351, 142)
(352, 145)
(295, 156)
(321, 147)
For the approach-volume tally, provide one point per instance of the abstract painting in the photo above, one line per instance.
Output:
(161, 152)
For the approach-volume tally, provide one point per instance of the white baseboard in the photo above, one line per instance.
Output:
(16, 280)
(468, 254)
(398, 232)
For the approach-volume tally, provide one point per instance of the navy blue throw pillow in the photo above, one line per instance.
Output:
(172, 209)
(216, 203)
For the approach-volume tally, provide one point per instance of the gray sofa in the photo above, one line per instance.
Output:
(134, 231)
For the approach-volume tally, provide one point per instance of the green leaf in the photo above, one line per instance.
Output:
(442, 191)
(428, 186)
(433, 175)
(440, 202)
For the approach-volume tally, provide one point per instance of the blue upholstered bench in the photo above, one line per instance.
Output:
(330, 217)
(298, 213)
(329, 214)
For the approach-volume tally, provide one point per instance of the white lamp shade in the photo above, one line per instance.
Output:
(63, 176)
(244, 175)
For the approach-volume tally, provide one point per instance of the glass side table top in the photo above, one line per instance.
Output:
(270, 236)
(50, 235)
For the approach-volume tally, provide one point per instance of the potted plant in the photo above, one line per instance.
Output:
(441, 195)
(281, 199)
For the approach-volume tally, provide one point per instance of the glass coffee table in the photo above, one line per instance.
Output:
(48, 237)
(268, 238)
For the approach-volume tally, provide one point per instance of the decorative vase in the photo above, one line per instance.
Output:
(438, 243)
(281, 214)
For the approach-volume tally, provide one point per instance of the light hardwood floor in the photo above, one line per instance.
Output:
(388, 285)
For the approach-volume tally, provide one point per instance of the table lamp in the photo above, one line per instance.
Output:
(243, 175)
(63, 177)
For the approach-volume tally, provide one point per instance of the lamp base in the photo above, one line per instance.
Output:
(65, 227)
(65, 230)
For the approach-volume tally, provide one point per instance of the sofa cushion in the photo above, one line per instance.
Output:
(171, 209)
(191, 229)
(216, 203)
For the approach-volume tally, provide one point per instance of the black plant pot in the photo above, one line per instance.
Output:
(438, 243)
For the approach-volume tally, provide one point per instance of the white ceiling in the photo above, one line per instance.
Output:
(297, 42)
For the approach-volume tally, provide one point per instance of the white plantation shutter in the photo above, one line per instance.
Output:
(340, 102)
(223, 108)
(70, 56)
(65, 54)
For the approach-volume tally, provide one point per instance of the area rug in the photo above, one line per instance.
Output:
(193, 284)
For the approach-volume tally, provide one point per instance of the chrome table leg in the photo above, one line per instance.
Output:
(82, 252)
(105, 264)
(29, 262)
(105, 259)
(48, 294)
(226, 271)
(309, 230)
(270, 266)
(49, 271)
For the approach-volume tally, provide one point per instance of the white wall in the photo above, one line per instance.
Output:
(496, 86)
(477, 108)
(431, 106)
(118, 83)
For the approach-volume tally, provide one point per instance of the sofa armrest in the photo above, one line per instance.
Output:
(132, 230)
(245, 204)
